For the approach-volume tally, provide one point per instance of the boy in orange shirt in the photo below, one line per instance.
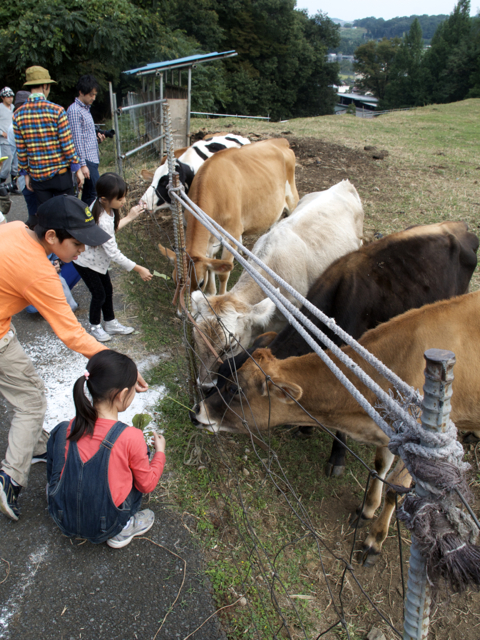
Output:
(65, 226)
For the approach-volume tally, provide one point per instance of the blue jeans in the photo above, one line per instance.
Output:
(32, 204)
(89, 191)
(79, 499)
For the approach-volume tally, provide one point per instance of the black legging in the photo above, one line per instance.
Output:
(100, 286)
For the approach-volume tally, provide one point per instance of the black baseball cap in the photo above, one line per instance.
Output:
(73, 215)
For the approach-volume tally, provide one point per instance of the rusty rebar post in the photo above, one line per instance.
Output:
(181, 257)
(436, 409)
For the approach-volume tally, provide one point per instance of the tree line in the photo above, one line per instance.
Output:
(378, 28)
(402, 73)
(281, 68)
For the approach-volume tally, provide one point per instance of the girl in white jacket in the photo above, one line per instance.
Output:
(93, 263)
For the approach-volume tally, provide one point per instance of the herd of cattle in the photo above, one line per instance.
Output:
(399, 295)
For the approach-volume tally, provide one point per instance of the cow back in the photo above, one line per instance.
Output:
(403, 271)
(246, 184)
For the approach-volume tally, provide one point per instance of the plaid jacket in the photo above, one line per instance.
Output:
(83, 131)
(43, 138)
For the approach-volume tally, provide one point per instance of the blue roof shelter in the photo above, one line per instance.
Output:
(161, 69)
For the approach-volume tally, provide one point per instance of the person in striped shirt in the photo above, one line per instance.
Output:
(85, 137)
(45, 149)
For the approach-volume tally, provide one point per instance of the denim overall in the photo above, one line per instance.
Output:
(80, 501)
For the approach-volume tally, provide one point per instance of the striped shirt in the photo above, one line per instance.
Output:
(44, 140)
(83, 131)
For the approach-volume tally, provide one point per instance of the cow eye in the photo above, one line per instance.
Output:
(200, 284)
(233, 389)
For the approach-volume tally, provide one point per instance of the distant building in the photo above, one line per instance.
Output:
(338, 57)
(364, 104)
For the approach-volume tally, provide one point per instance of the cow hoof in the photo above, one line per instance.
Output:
(470, 438)
(357, 520)
(303, 433)
(334, 471)
(369, 557)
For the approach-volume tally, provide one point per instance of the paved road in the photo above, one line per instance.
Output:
(55, 588)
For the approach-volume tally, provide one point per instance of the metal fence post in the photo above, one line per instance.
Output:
(118, 136)
(436, 409)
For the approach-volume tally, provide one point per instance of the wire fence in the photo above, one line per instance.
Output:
(299, 576)
(139, 131)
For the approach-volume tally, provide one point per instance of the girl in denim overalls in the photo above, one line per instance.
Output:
(97, 467)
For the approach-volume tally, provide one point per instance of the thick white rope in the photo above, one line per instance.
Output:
(399, 384)
(290, 310)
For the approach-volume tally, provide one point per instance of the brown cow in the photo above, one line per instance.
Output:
(400, 344)
(245, 191)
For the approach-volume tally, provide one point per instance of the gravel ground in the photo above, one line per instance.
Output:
(55, 588)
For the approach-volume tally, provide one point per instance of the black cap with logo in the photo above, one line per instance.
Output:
(73, 215)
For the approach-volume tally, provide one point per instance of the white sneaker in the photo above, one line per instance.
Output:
(140, 523)
(114, 326)
(98, 333)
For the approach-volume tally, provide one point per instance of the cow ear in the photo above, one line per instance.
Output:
(147, 175)
(219, 266)
(199, 302)
(262, 312)
(168, 253)
(264, 340)
(282, 390)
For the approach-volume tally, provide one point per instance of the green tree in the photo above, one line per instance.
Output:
(281, 68)
(474, 53)
(71, 38)
(405, 87)
(374, 62)
(448, 65)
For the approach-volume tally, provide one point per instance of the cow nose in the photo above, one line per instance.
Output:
(193, 414)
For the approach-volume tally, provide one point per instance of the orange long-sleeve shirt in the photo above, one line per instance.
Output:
(28, 277)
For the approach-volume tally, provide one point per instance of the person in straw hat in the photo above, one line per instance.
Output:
(45, 149)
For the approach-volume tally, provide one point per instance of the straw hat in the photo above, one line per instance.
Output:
(36, 76)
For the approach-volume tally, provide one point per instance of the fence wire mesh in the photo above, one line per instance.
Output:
(139, 132)
(300, 573)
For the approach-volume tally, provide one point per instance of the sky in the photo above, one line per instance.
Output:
(353, 10)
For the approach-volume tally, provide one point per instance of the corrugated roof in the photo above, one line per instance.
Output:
(360, 97)
(181, 62)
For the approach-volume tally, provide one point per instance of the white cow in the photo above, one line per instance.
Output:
(324, 226)
(187, 166)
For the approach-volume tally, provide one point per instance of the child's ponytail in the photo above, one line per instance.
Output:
(108, 373)
(85, 412)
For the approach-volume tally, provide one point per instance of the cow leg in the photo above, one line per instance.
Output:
(336, 463)
(383, 462)
(379, 530)
(210, 287)
(223, 277)
(291, 193)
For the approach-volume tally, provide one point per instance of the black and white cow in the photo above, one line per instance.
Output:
(187, 166)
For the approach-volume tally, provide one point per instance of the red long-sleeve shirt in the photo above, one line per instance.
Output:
(128, 464)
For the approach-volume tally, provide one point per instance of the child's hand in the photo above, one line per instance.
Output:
(143, 272)
(159, 442)
(136, 211)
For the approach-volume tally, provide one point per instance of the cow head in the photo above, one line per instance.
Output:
(261, 393)
(198, 268)
(229, 325)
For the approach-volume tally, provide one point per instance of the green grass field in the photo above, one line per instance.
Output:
(241, 519)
